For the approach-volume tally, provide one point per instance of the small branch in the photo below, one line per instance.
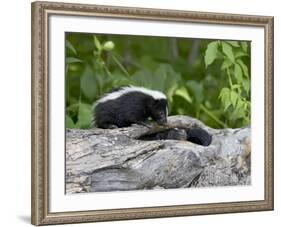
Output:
(203, 108)
(120, 65)
(174, 47)
(194, 52)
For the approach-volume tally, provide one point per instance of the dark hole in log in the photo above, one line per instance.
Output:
(194, 135)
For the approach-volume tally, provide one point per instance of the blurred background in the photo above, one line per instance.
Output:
(205, 79)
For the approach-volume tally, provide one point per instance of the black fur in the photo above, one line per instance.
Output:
(199, 136)
(131, 108)
(194, 135)
(171, 134)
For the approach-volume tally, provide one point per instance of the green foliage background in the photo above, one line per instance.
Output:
(206, 79)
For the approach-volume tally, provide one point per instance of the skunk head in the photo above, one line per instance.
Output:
(158, 110)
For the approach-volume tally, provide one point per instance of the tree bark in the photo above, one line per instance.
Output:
(118, 160)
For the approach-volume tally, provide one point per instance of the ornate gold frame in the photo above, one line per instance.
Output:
(40, 191)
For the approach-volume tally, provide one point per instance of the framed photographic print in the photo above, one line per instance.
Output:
(145, 113)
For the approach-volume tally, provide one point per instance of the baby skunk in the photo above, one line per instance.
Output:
(199, 136)
(130, 105)
(194, 135)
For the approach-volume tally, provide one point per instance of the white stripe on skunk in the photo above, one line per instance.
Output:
(126, 90)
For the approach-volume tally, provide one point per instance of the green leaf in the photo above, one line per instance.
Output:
(244, 67)
(245, 106)
(238, 73)
(233, 98)
(233, 43)
(70, 60)
(70, 47)
(244, 46)
(182, 92)
(224, 91)
(236, 86)
(246, 121)
(142, 78)
(226, 103)
(171, 91)
(227, 50)
(97, 43)
(239, 103)
(225, 97)
(69, 122)
(73, 107)
(84, 116)
(148, 62)
(226, 64)
(211, 53)
(164, 77)
(239, 54)
(237, 114)
(119, 79)
(197, 90)
(246, 85)
(88, 83)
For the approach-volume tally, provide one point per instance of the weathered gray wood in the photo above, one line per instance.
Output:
(116, 160)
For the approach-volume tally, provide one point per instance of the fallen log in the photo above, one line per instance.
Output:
(119, 159)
